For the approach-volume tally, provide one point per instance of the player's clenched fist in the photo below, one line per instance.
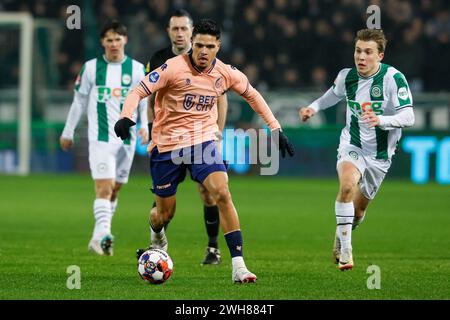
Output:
(371, 119)
(65, 143)
(122, 128)
(305, 113)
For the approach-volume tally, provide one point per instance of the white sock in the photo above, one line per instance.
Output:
(238, 262)
(114, 206)
(345, 213)
(103, 216)
(156, 235)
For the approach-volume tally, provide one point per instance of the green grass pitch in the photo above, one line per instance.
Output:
(288, 227)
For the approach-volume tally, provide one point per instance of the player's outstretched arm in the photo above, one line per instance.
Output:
(403, 118)
(328, 99)
(122, 127)
(76, 111)
(241, 86)
(257, 102)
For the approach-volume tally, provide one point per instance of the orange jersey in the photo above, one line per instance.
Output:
(186, 101)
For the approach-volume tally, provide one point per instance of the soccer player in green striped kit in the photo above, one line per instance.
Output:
(379, 104)
(101, 89)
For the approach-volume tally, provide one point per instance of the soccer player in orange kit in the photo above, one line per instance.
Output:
(187, 88)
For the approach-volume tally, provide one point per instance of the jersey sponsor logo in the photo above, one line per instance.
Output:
(106, 93)
(153, 77)
(126, 79)
(164, 186)
(403, 93)
(164, 67)
(376, 91)
(359, 108)
(201, 102)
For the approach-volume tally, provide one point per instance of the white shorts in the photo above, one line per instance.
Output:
(110, 161)
(372, 170)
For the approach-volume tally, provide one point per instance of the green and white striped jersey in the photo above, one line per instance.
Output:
(385, 92)
(106, 85)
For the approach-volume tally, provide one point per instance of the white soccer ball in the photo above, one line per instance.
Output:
(155, 266)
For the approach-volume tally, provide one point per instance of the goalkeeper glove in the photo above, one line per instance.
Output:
(122, 128)
(283, 143)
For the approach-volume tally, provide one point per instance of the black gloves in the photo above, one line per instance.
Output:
(150, 127)
(122, 128)
(283, 143)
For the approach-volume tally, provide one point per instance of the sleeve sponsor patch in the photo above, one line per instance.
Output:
(403, 93)
(153, 77)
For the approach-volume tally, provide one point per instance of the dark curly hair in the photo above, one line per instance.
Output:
(207, 26)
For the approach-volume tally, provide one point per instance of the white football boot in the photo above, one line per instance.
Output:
(94, 246)
(346, 260)
(243, 275)
(103, 246)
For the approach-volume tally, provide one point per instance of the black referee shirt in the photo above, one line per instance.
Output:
(158, 58)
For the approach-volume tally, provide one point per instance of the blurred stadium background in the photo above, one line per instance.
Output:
(291, 50)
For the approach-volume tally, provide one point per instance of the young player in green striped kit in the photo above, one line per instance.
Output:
(379, 104)
(101, 88)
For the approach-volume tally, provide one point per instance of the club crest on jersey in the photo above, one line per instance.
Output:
(219, 83)
(354, 155)
(126, 79)
(188, 82)
(153, 77)
(102, 167)
(376, 91)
